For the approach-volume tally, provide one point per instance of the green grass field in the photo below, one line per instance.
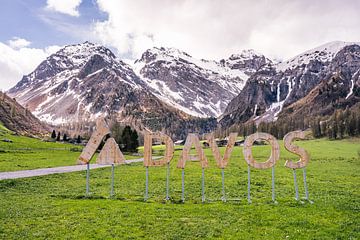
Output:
(30, 153)
(55, 206)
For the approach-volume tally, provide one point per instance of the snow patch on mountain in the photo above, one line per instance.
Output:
(198, 87)
(323, 53)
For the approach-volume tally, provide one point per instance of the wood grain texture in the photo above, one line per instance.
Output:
(302, 153)
(169, 149)
(275, 150)
(102, 130)
(110, 153)
(192, 140)
(222, 162)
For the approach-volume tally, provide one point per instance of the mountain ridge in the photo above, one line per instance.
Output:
(84, 81)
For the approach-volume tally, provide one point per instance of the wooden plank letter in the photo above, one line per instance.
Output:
(192, 139)
(275, 151)
(222, 162)
(102, 130)
(111, 153)
(302, 153)
(169, 149)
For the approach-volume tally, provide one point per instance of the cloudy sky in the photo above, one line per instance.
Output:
(30, 30)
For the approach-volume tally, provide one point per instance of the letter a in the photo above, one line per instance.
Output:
(192, 139)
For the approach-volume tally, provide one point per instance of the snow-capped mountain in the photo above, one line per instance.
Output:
(82, 82)
(275, 87)
(324, 53)
(167, 89)
(196, 86)
(64, 87)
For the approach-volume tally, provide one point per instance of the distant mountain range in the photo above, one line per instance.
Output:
(167, 89)
(313, 83)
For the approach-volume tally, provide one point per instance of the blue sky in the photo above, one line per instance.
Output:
(30, 30)
(30, 20)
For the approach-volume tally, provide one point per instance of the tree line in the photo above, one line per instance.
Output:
(57, 137)
(341, 124)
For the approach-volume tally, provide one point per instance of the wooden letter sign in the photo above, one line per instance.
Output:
(169, 149)
(222, 162)
(192, 139)
(111, 154)
(102, 130)
(275, 151)
(304, 155)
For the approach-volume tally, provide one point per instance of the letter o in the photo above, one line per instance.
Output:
(275, 150)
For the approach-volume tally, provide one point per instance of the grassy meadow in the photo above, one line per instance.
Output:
(55, 206)
(25, 153)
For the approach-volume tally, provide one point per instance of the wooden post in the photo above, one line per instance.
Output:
(149, 162)
(270, 163)
(222, 162)
(87, 178)
(301, 163)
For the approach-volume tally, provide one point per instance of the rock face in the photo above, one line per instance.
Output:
(82, 82)
(169, 90)
(18, 119)
(198, 87)
(315, 82)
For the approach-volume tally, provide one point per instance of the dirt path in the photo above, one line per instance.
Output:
(65, 169)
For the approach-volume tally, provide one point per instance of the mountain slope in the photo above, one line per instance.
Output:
(19, 119)
(198, 87)
(275, 87)
(82, 82)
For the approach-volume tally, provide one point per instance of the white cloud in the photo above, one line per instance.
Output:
(16, 62)
(17, 43)
(64, 6)
(215, 29)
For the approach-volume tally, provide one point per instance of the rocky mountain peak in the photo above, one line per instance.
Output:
(198, 87)
(247, 60)
(275, 87)
(324, 53)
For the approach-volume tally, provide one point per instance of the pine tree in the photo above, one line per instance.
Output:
(78, 140)
(134, 141)
(116, 133)
(53, 134)
(126, 138)
(352, 125)
(58, 137)
(341, 124)
(334, 127)
(65, 137)
(315, 128)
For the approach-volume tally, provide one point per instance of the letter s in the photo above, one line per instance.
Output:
(302, 153)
